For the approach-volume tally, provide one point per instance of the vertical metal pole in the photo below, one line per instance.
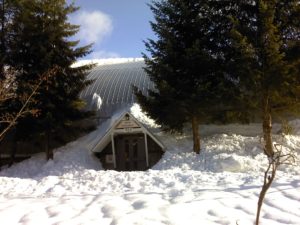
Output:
(146, 149)
(113, 150)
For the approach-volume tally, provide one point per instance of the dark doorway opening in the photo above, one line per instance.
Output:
(130, 152)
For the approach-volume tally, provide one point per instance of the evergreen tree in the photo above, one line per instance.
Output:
(265, 58)
(41, 42)
(185, 66)
(7, 11)
(2, 36)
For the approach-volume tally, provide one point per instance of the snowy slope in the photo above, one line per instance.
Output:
(219, 186)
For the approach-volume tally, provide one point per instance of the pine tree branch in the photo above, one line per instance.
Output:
(12, 119)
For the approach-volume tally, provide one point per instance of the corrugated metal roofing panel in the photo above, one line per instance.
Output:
(113, 83)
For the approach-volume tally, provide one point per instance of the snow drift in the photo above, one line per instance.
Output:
(219, 186)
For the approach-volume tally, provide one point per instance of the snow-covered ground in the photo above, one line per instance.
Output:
(219, 186)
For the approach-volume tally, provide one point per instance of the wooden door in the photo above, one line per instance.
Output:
(130, 152)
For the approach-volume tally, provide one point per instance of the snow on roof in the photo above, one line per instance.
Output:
(106, 128)
(109, 61)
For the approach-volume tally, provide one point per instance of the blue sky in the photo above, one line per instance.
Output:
(116, 27)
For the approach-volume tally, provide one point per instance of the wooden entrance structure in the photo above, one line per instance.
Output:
(128, 146)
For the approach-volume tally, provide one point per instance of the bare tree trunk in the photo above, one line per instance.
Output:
(13, 151)
(267, 128)
(12, 157)
(268, 179)
(49, 151)
(196, 135)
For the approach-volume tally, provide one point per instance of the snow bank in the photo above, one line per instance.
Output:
(220, 152)
(219, 186)
(232, 153)
(73, 157)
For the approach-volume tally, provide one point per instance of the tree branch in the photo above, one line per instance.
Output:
(24, 110)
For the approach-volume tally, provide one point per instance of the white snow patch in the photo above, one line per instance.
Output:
(108, 61)
(97, 101)
(136, 111)
(219, 186)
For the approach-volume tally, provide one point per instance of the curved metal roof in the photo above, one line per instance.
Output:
(113, 83)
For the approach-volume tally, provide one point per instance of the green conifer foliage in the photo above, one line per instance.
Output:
(41, 41)
(185, 66)
(265, 40)
(7, 11)
(2, 36)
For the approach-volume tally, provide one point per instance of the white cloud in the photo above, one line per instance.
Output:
(95, 26)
